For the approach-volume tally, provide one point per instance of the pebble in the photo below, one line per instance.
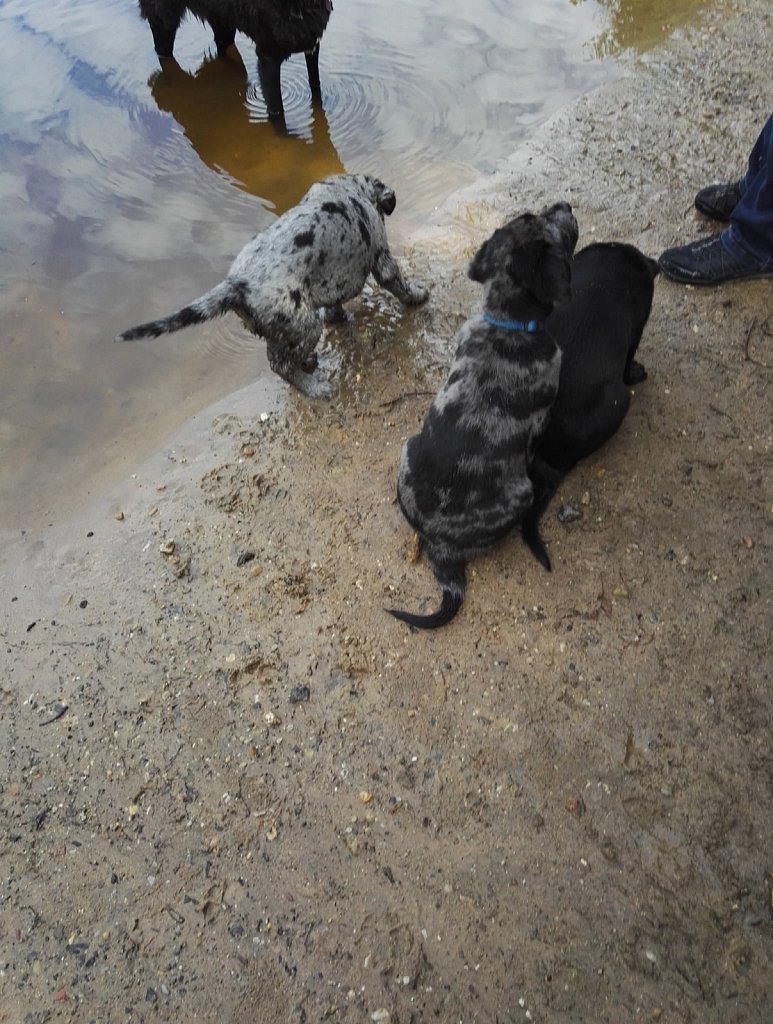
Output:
(568, 514)
(299, 694)
(167, 548)
(120, 516)
(244, 557)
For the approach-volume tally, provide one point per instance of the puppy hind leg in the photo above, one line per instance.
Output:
(634, 372)
(291, 355)
(387, 273)
(545, 480)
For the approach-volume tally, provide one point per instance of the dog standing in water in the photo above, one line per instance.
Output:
(463, 482)
(278, 28)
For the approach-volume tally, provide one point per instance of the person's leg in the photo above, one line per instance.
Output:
(744, 250)
(750, 235)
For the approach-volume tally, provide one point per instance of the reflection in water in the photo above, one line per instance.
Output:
(638, 25)
(219, 112)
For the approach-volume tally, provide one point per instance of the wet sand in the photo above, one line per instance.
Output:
(236, 790)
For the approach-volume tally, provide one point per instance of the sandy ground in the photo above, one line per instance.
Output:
(234, 789)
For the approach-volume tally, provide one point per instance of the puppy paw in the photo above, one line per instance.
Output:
(311, 385)
(416, 295)
(635, 373)
(320, 387)
(335, 315)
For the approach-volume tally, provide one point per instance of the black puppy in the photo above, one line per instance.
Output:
(278, 28)
(598, 333)
(463, 482)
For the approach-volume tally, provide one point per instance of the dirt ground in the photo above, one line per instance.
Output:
(234, 789)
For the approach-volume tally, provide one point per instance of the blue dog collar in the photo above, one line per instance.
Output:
(529, 326)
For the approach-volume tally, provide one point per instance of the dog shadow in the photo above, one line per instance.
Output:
(259, 157)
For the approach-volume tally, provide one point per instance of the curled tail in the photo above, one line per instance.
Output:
(216, 302)
(450, 576)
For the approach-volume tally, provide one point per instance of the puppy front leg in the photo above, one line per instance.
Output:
(387, 273)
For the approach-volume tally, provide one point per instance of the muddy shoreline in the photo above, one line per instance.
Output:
(234, 789)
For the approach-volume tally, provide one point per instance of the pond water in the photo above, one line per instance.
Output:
(127, 190)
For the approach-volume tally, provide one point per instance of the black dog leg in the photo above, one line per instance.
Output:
(225, 35)
(634, 372)
(163, 36)
(269, 72)
(312, 67)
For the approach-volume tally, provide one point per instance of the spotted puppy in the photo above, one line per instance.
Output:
(316, 256)
(463, 482)
(598, 333)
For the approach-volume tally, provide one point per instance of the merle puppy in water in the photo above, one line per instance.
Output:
(277, 27)
(317, 255)
(598, 333)
(463, 482)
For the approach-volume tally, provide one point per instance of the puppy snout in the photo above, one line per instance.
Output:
(387, 201)
(562, 216)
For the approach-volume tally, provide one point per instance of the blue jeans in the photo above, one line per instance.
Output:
(750, 235)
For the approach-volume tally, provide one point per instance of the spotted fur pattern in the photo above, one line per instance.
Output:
(463, 482)
(317, 255)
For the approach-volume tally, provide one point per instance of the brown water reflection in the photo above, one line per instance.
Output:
(638, 25)
(127, 189)
(215, 107)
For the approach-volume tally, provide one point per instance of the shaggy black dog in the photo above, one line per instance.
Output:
(463, 482)
(277, 27)
(598, 333)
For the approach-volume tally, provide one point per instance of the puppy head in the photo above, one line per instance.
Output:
(379, 194)
(532, 254)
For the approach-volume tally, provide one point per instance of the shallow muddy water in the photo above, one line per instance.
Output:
(126, 190)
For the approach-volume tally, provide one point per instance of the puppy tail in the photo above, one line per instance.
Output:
(545, 480)
(450, 576)
(214, 303)
(533, 540)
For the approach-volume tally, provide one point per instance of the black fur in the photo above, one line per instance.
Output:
(463, 482)
(278, 29)
(598, 333)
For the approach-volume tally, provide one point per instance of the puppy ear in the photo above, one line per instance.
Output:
(480, 268)
(543, 272)
(386, 200)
